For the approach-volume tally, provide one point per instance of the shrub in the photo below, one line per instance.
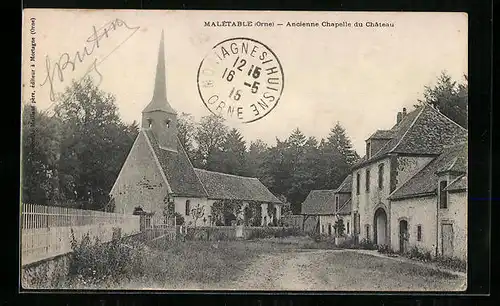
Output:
(349, 243)
(96, 263)
(367, 245)
(221, 236)
(179, 219)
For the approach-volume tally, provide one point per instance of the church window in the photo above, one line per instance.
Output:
(419, 233)
(167, 123)
(188, 207)
(150, 122)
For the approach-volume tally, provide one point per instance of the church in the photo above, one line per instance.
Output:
(157, 171)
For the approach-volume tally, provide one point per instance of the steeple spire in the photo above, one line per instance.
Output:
(159, 101)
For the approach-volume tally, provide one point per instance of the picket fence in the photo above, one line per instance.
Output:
(46, 230)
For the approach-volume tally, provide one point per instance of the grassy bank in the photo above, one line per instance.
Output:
(170, 264)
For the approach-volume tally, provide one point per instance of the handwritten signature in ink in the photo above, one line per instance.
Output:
(55, 71)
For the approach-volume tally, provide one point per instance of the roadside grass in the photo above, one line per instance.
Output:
(366, 272)
(169, 265)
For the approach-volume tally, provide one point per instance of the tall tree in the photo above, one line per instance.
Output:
(95, 143)
(339, 141)
(233, 154)
(450, 97)
(210, 136)
(41, 138)
(255, 158)
(337, 156)
(186, 131)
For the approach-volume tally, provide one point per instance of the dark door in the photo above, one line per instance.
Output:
(447, 239)
(403, 235)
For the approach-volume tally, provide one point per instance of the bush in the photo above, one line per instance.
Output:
(367, 245)
(221, 236)
(349, 243)
(385, 249)
(96, 263)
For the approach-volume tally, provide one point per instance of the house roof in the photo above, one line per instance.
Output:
(232, 187)
(459, 184)
(382, 134)
(317, 203)
(346, 185)
(423, 131)
(177, 169)
(346, 208)
(426, 180)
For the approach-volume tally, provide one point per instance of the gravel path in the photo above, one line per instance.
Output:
(339, 270)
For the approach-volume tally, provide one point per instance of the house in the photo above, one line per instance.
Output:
(318, 206)
(326, 207)
(342, 204)
(403, 188)
(157, 171)
(432, 205)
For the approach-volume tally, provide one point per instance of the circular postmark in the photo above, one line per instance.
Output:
(240, 79)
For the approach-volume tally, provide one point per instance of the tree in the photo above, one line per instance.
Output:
(339, 227)
(339, 141)
(41, 138)
(94, 143)
(449, 97)
(186, 131)
(232, 157)
(255, 158)
(210, 136)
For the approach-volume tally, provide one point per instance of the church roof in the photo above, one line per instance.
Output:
(159, 101)
(423, 131)
(177, 169)
(318, 203)
(425, 182)
(233, 187)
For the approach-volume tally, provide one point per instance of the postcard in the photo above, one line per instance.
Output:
(244, 150)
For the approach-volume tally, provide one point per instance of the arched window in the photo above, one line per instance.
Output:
(188, 207)
(167, 123)
(150, 122)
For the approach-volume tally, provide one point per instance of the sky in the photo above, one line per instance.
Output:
(360, 77)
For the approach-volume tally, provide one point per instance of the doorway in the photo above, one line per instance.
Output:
(447, 239)
(403, 236)
(380, 228)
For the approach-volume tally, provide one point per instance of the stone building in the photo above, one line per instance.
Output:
(399, 184)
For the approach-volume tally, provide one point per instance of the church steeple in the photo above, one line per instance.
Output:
(159, 101)
(158, 115)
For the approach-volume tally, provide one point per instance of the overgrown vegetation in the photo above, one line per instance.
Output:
(93, 263)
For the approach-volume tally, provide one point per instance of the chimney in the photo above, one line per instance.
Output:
(399, 118)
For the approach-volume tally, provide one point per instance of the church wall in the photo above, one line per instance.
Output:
(180, 207)
(140, 182)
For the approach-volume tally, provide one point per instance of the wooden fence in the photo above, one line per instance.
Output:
(46, 230)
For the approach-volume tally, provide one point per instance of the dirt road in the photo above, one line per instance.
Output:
(338, 270)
